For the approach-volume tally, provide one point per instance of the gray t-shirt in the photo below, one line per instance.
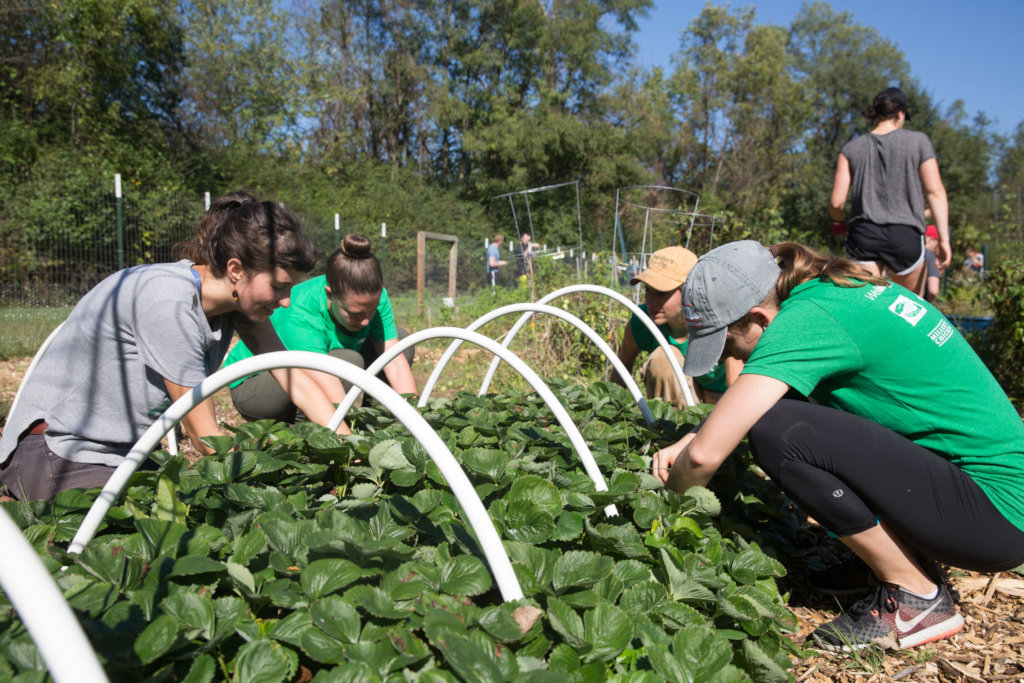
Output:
(885, 188)
(100, 384)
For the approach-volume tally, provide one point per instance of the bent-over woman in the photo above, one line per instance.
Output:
(909, 452)
(145, 336)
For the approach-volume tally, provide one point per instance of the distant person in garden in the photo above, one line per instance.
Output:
(145, 336)
(905, 466)
(889, 175)
(345, 314)
(524, 256)
(974, 264)
(933, 280)
(494, 261)
(663, 280)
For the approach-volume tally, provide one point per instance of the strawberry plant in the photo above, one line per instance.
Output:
(290, 555)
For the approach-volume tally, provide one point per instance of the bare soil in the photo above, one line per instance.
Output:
(990, 648)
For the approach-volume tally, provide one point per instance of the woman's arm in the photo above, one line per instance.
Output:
(840, 189)
(628, 351)
(398, 372)
(935, 195)
(200, 421)
(695, 458)
(299, 384)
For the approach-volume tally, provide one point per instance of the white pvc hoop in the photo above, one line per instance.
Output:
(542, 389)
(641, 316)
(42, 608)
(471, 504)
(540, 307)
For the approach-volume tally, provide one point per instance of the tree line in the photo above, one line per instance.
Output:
(418, 112)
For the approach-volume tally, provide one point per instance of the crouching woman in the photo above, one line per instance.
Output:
(909, 452)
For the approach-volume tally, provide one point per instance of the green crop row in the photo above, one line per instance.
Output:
(293, 555)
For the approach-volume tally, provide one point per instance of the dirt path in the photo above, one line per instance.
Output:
(990, 648)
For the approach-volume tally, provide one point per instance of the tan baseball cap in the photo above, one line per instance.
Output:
(667, 269)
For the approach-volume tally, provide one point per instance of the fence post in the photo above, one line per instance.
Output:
(383, 248)
(206, 201)
(337, 230)
(120, 221)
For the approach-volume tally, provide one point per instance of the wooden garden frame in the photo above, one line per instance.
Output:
(421, 253)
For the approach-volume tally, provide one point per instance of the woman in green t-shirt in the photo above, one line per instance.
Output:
(909, 451)
(346, 314)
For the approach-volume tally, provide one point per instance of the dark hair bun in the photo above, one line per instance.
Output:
(356, 246)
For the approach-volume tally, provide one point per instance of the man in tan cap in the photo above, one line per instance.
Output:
(663, 303)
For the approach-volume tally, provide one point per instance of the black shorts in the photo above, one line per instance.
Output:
(899, 247)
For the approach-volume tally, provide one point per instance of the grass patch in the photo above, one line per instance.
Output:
(24, 328)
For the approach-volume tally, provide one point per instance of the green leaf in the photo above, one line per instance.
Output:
(160, 536)
(388, 455)
(336, 618)
(168, 507)
(540, 492)
(264, 661)
(527, 522)
(469, 661)
(464, 575)
(761, 666)
(704, 501)
(375, 601)
(323, 577)
(750, 565)
(190, 565)
(568, 623)
(249, 546)
(242, 577)
(202, 670)
(156, 639)
(608, 630)
(580, 568)
(192, 609)
(568, 526)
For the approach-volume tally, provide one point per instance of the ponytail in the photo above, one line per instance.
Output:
(800, 264)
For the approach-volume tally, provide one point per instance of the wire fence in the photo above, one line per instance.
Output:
(57, 242)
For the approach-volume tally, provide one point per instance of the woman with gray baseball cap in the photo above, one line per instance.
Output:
(903, 465)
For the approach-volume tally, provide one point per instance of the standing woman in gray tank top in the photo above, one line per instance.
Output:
(890, 174)
(145, 336)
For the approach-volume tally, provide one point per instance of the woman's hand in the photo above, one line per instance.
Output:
(666, 457)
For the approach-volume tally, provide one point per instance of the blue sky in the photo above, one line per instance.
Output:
(957, 50)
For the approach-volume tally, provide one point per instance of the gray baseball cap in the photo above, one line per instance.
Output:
(722, 288)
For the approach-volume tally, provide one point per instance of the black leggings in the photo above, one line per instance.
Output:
(848, 472)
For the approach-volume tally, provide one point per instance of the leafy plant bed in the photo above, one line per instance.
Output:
(292, 556)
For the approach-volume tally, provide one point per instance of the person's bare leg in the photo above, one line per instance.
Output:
(890, 559)
(914, 281)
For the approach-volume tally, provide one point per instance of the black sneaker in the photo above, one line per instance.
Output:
(847, 578)
(891, 618)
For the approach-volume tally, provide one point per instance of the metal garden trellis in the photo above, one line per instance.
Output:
(529, 216)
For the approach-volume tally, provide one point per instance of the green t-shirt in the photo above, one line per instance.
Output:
(886, 355)
(307, 325)
(645, 341)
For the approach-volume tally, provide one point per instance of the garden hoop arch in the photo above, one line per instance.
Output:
(542, 389)
(611, 294)
(586, 329)
(497, 559)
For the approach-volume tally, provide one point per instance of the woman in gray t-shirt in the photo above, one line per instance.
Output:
(889, 174)
(144, 336)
